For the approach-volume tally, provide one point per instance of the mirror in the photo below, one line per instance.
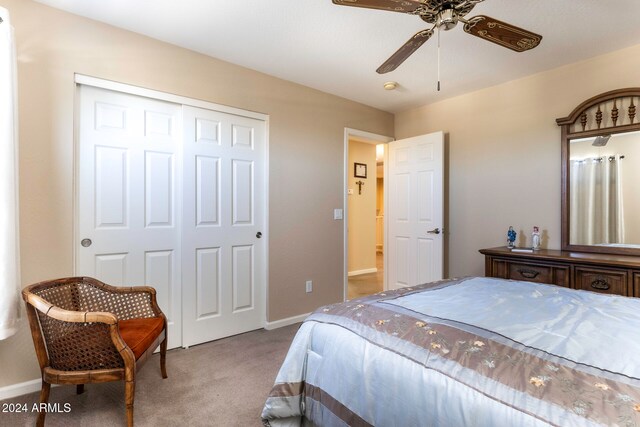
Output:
(603, 174)
(600, 172)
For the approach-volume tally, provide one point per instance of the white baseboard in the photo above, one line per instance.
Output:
(285, 322)
(359, 272)
(14, 390)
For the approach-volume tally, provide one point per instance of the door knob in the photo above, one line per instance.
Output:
(259, 234)
(86, 243)
(434, 231)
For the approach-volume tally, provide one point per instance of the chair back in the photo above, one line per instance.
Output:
(71, 345)
(88, 294)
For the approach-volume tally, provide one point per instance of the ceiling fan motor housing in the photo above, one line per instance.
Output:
(447, 19)
(444, 14)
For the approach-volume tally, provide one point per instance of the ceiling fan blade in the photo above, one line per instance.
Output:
(501, 33)
(403, 6)
(405, 51)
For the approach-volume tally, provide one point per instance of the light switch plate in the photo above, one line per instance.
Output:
(337, 214)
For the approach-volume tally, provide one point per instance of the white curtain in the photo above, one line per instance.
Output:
(9, 239)
(596, 201)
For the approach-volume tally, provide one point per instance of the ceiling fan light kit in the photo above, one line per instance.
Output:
(445, 15)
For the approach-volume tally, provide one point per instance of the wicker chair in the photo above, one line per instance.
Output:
(85, 331)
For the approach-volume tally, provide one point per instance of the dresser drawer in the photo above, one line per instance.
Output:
(602, 280)
(604, 273)
(539, 273)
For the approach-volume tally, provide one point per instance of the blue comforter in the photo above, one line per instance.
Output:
(469, 352)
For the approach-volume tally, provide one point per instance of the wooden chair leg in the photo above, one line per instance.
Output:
(129, 392)
(44, 398)
(80, 389)
(163, 358)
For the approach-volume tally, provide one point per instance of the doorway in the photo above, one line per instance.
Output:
(364, 220)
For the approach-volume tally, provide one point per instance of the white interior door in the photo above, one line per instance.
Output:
(128, 209)
(223, 251)
(415, 210)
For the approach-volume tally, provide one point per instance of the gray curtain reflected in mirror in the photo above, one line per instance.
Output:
(603, 195)
(597, 201)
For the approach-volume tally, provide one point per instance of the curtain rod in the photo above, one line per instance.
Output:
(600, 159)
(610, 158)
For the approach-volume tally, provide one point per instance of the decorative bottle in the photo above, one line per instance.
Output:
(535, 238)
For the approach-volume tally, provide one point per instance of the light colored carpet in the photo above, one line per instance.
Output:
(221, 383)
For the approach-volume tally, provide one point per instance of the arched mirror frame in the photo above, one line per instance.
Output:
(609, 113)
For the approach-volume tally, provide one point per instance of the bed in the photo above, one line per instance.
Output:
(476, 351)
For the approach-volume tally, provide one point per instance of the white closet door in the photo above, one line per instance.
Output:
(128, 195)
(224, 218)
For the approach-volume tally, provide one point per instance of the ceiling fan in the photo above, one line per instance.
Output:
(445, 15)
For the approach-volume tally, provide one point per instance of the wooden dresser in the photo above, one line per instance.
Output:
(609, 274)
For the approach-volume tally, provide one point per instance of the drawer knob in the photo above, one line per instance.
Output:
(529, 274)
(600, 284)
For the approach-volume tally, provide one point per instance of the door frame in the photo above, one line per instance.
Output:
(375, 139)
(81, 79)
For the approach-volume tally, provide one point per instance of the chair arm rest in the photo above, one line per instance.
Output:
(67, 315)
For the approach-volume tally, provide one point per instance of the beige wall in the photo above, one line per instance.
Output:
(504, 152)
(306, 132)
(361, 239)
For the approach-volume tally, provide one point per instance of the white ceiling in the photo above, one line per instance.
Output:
(337, 49)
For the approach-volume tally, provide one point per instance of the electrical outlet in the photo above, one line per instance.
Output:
(309, 286)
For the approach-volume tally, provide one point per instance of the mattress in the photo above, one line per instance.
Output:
(465, 352)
